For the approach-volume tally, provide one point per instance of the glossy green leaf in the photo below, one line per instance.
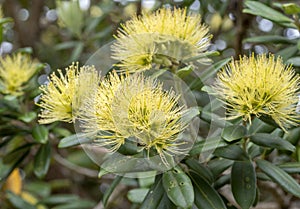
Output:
(243, 183)
(109, 191)
(42, 160)
(294, 61)
(200, 169)
(155, 195)
(232, 152)
(178, 187)
(137, 195)
(217, 166)
(234, 132)
(292, 135)
(280, 177)
(269, 39)
(209, 144)
(75, 140)
(205, 195)
(222, 181)
(267, 140)
(287, 52)
(260, 9)
(18, 202)
(146, 179)
(291, 167)
(258, 126)
(40, 134)
(214, 119)
(213, 69)
(166, 203)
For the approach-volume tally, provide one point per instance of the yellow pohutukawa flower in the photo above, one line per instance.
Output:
(15, 71)
(138, 108)
(260, 86)
(64, 94)
(164, 37)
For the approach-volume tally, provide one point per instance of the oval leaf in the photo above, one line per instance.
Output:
(75, 140)
(111, 189)
(243, 183)
(267, 140)
(280, 177)
(205, 195)
(231, 152)
(154, 196)
(200, 169)
(40, 134)
(137, 195)
(260, 9)
(42, 160)
(232, 133)
(179, 187)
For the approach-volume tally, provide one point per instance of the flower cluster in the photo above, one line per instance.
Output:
(15, 72)
(163, 37)
(134, 107)
(260, 86)
(62, 96)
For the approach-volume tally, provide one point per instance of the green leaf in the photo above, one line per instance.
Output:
(291, 167)
(166, 203)
(234, 132)
(258, 126)
(205, 195)
(294, 61)
(78, 204)
(280, 177)
(18, 202)
(75, 140)
(28, 117)
(267, 140)
(209, 144)
(291, 8)
(217, 166)
(178, 187)
(222, 181)
(39, 188)
(59, 198)
(109, 191)
(42, 160)
(292, 135)
(137, 195)
(260, 9)
(146, 179)
(76, 52)
(66, 45)
(232, 152)
(189, 114)
(270, 39)
(243, 183)
(154, 196)
(200, 169)
(287, 52)
(214, 119)
(183, 72)
(211, 71)
(40, 134)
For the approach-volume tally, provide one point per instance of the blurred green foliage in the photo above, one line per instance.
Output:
(54, 172)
